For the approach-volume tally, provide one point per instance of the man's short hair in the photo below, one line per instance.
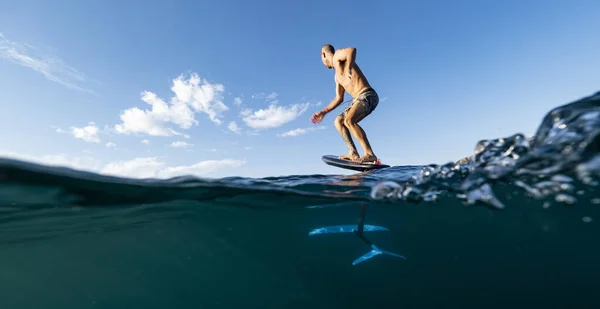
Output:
(329, 48)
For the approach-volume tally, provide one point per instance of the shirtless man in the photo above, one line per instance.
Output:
(349, 77)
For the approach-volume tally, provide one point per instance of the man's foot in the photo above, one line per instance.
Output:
(350, 156)
(369, 158)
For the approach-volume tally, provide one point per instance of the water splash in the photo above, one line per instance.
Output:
(564, 152)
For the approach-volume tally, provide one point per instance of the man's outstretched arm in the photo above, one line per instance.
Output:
(339, 98)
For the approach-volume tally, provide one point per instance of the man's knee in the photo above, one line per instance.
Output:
(348, 122)
(338, 122)
(356, 114)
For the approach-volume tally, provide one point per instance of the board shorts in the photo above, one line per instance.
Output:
(368, 100)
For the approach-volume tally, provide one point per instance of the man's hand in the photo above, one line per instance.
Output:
(339, 97)
(317, 117)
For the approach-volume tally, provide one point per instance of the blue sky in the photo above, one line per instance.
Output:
(158, 89)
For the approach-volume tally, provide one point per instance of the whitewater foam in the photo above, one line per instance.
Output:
(563, 155)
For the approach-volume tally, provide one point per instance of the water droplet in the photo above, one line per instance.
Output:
(385, 189)
(564, 198)
(587, 219)
(561, 178)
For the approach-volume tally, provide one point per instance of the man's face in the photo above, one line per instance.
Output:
(326, 61)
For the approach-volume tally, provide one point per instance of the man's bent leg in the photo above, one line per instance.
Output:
(345, 133)
(361, 136)
(358, 112)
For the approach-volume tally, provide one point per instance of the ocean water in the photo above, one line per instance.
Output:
(514, 227)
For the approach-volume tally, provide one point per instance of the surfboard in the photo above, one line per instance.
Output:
(349, 165)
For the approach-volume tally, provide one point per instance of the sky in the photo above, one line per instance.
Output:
(167, 88)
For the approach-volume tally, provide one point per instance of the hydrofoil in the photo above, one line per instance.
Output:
(358, 231)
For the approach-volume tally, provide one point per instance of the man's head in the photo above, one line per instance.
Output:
(327, 52)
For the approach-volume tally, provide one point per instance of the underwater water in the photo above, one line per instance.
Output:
(513, 227)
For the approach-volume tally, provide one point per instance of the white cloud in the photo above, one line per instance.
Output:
(145, 142)
(246, 112)
(237, 101)
(271, 98)
(191, 96)
(205, 98)
(300, 131)
(154, 122)
(294, 132)
(152, 167)
(265, 96)
(233, 127)
(135, 168)
(58, 130)
(51, 67)
(274, 116)
(201, 168)
(88, 133)
(148, 167)
(180, 144)
(80, 163)
(110, 145)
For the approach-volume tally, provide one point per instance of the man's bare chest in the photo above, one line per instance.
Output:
(341, 79)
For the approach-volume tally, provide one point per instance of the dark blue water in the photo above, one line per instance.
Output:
(515, 227)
